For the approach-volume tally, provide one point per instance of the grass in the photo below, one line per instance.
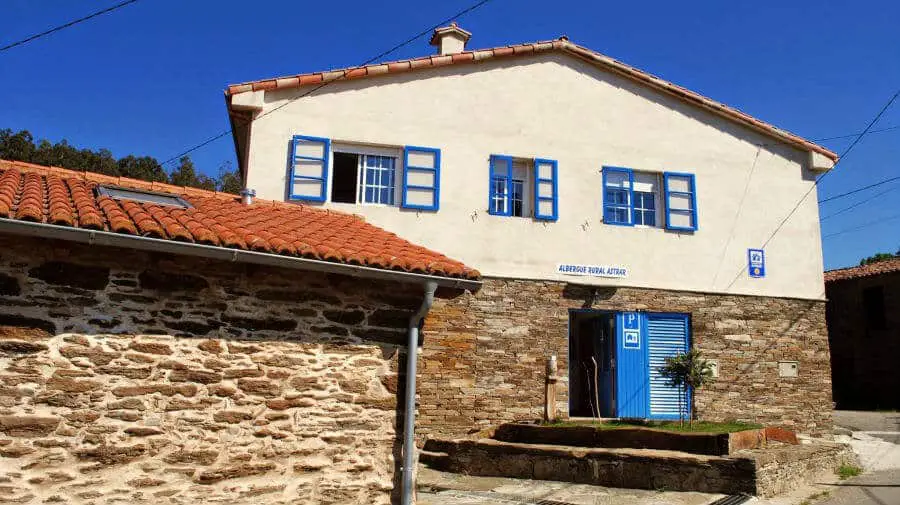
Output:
(699, 426)
(811, 499)
(847, 471)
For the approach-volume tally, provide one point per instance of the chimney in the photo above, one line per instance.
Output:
(247, 196)
(450, 39)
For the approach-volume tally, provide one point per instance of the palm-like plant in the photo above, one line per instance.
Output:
(686, 371)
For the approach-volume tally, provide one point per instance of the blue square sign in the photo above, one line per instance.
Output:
(630, 320)
(631, 339)
(756, 263)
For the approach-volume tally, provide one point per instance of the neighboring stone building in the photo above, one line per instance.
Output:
(612, 213)
(198, 349)
(863, 315)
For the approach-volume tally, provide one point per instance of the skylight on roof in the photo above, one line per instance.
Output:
(136, 195)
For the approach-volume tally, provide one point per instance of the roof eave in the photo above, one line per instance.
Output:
(105, 238)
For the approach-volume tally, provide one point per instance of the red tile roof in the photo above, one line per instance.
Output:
(65, 197)
(561, 45)
(877, 268)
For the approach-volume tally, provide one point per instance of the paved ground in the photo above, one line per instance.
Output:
(453, 489)
(883, 425)
(876, 488)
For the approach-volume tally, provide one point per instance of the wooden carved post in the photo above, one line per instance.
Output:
(550, 390)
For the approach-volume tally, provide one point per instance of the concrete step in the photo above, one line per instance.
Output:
(756, 472)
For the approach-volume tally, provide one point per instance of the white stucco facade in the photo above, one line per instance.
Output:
(558, 107)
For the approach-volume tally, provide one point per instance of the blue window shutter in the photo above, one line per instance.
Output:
(421, 178)
(546, 189)
(618, 196)
(500, 185)
(681, 201)
(309, 168)
(667, 335)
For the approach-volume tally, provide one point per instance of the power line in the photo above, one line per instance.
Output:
(344, 73)
(819, 179)
(864, 225)
(66, 25)
(849, 135)
(857, 190)
(857, 204)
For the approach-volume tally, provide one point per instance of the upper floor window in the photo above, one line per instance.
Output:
(633, 198)
(346, 173)
(364, 175)
(523, 187)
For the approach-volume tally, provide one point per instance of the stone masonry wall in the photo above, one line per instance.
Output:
(484, 354)
(129, 377)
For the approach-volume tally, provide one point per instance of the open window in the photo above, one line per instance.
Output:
(366, 175)
(523, 187)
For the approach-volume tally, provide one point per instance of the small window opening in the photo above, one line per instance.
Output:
(118, 193)
(364, 177)
(343, 184)
(873, 307)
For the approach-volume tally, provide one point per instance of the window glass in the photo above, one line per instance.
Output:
(378, 180)
(645, 208)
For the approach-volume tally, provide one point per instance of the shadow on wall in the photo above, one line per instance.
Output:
(250, 380)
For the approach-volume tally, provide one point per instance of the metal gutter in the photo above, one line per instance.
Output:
(105, 238)
(409, 417)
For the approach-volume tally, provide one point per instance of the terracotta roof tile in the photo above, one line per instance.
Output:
(561, 44)
(67, 198)
(877, 268)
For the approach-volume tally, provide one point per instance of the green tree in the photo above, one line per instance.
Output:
(878, 257)
(228, 180)
(145, 168)
(16, 146)
(686, 371)
(186, 175)
(21, 146)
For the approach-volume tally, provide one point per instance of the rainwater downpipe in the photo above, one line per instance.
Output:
(409, 418)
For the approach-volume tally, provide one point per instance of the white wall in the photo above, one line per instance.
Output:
(555, 106)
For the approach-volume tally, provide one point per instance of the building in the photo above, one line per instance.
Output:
(864, 334)
(167, 344)
(611, 213)
(171, 344)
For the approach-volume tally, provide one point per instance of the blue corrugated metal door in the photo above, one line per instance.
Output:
(631, 366)
(667, 335)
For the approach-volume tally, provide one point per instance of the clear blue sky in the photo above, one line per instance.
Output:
(148, 78)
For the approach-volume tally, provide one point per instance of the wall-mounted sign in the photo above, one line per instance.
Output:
(631, 339)
(631, 330)
(756, 263)
(592, 270)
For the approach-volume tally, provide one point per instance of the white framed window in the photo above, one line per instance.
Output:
(365, 175)
(646, 191)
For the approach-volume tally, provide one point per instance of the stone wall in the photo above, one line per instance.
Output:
(864, 353)
(484, 354)
(129, 377)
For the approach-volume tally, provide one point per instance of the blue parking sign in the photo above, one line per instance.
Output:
(631, 320)
(756, 263)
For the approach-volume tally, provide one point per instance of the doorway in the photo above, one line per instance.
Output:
(592, 358)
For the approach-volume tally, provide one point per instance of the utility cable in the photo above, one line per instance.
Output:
(66, 25)
(864, 225)
(819, 180)
(857, 190)
(857, 204)
(326, 83)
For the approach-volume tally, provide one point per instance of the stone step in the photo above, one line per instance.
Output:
(756, 472)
